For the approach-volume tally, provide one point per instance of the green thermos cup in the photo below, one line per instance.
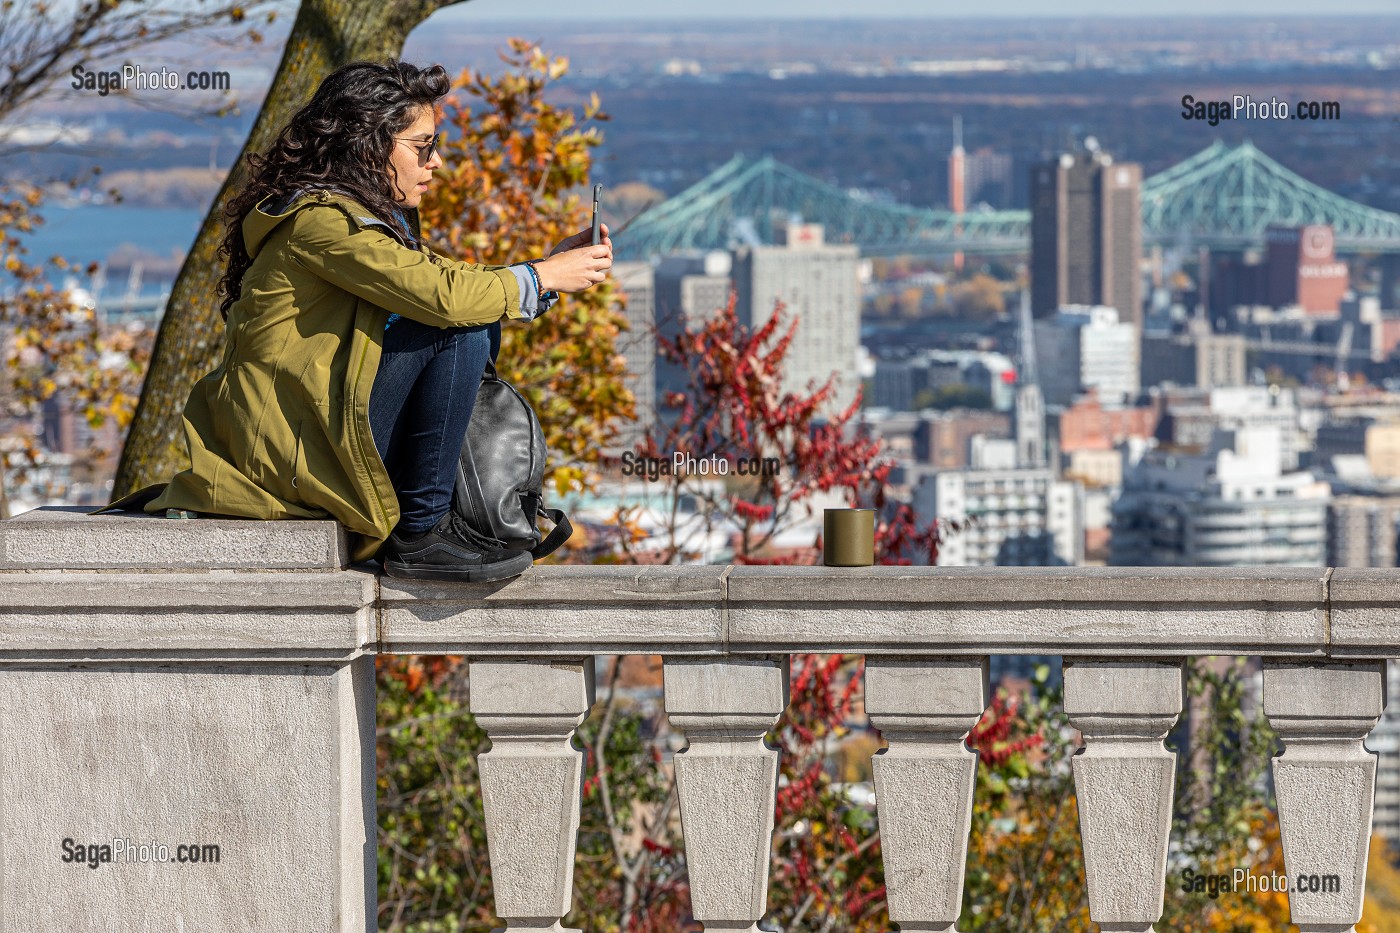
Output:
(848, 537)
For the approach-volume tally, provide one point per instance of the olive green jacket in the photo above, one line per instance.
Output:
(281, 428)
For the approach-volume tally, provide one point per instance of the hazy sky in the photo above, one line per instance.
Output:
(523, 10)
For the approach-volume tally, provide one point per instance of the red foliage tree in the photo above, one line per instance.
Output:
(735, 409)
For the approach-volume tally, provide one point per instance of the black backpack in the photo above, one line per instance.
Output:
(500, 473)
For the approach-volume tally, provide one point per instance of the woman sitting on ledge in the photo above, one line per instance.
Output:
(354, 352)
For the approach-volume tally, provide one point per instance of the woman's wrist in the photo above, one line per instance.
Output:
(546, 293)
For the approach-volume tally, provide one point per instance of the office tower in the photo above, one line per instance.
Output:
(989, 178)
(1004, 518)
(1091, 349)
(688, 291)
(1086, 234)
(691, 287)
(819, 287)
(638, 346)
(1390, 281)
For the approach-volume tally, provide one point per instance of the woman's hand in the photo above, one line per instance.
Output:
(577, 269)
(583, 238)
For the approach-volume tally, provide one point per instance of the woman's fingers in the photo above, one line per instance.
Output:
(583, 238)
(577, 269)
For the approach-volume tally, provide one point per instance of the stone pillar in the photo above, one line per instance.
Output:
(727, 778)
(1325, 782)
(924, 781)
(1124, 779)
(186, 739)
(531, 782)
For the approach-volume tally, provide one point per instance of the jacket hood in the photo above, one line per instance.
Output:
(273, 210)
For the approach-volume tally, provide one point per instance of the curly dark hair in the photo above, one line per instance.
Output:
(340, 139)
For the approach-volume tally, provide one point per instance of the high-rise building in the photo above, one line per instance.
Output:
(1233, 506)
(1390, 281)
(818, 285)
(1092, 348)
(1086, 234)
(638, 346)
(693, 287)
(1003, 518)
(989, 178)
(1361, 531)
(688, 291)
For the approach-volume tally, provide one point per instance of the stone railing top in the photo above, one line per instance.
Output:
(153, 587)
(68, 538)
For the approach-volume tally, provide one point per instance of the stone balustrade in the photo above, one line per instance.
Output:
(182, 685)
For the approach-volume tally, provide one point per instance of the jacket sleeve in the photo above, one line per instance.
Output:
(371, 264)
(475, 265)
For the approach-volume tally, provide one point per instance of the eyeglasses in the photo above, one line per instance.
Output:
(425, 152)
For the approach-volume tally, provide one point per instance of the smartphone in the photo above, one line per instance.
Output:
(597, 233)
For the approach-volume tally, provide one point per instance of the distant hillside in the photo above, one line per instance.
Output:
(170, 187)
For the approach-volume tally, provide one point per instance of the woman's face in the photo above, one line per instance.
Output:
(410, 172)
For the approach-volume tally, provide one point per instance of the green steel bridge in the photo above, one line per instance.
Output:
(1222, 197)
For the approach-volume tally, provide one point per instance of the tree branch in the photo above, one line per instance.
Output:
(99, 29)
(626, 867)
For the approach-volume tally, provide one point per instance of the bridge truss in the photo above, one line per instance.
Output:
(1223, 197)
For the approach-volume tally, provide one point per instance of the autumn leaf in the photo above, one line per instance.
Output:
(510, 200)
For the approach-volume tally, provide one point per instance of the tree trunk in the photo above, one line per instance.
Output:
(326, 35)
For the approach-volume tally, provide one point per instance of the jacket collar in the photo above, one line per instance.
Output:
(272, 210)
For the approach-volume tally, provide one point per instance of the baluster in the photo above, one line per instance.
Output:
(726, 779)
(531, 783)
(1325, 782)
(1124, 780)
(924, 781)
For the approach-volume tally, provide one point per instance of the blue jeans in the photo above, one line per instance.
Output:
(419, 409)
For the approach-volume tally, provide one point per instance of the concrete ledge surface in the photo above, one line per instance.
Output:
(68, 538)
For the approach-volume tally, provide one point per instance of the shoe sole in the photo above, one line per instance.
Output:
(487, 573)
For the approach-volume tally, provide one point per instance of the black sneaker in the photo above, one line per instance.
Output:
(452, 551)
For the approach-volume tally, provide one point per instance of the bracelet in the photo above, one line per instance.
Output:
(539, 289)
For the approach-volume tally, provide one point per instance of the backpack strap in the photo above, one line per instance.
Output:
(561, 532)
